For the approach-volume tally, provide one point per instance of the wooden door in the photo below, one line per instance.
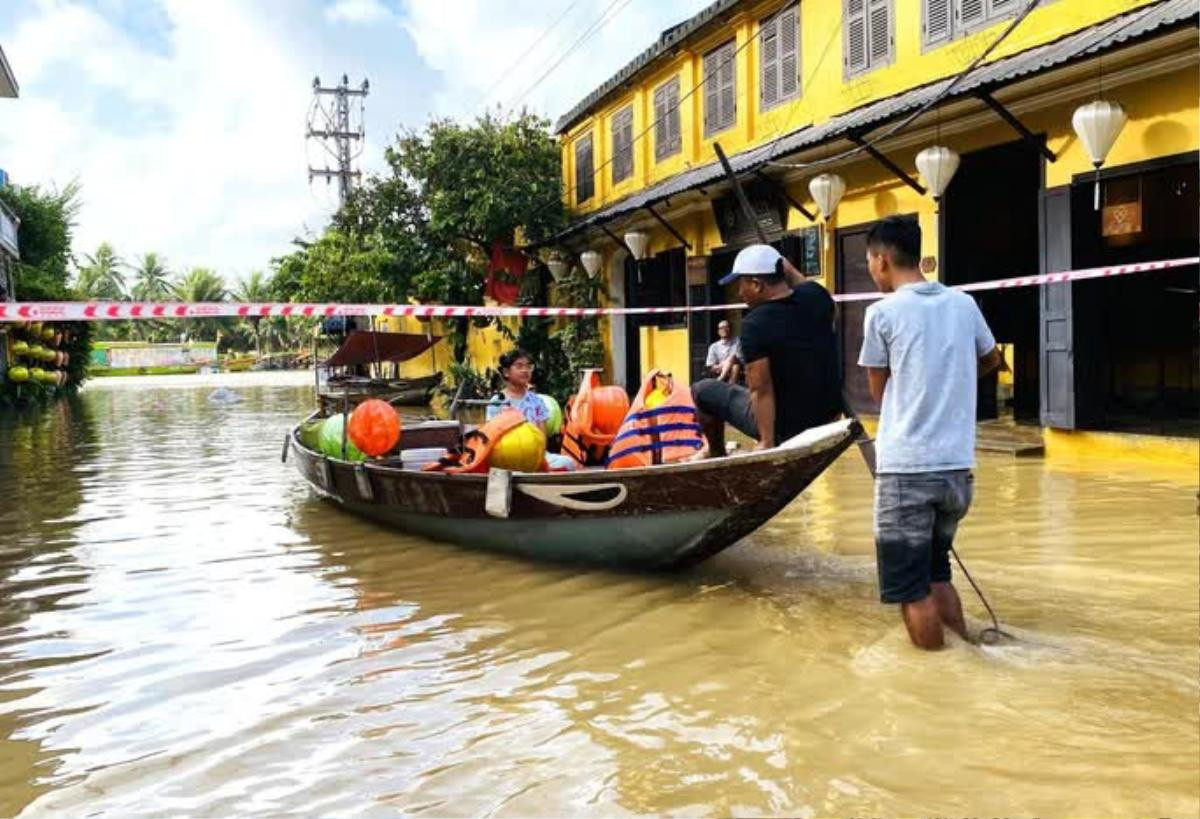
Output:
(852, 277)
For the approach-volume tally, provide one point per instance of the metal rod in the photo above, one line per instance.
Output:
(1017, 125)
(887, 163)
(740, 194)
(787, 196)
(620, 242)
(670, 228)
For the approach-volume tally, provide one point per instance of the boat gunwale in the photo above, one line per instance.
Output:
(839, 431)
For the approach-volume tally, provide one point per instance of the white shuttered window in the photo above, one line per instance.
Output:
(943, 20)
(622, 144)
(779, 60)
(720, 89)
(868, 41)
(667, 138)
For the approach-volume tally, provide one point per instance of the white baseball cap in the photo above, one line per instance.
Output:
(755, 260)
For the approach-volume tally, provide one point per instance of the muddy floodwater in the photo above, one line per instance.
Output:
(186, 630)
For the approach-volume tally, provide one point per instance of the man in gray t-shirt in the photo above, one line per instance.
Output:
(924, 347)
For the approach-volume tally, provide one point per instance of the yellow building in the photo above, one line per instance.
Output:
(857, 88)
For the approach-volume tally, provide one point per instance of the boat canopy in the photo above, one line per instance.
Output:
(368, 346)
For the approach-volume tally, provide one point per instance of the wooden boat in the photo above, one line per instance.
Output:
(407, 392)
(658, 517)
(363, 350)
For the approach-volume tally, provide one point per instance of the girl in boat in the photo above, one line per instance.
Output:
(516, 367)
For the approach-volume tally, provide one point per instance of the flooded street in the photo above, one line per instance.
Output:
(186, 629)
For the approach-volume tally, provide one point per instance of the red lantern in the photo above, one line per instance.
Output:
(609, 406)
(374, 427)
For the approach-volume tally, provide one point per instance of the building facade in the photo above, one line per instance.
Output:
(9, 248)
(857, 88)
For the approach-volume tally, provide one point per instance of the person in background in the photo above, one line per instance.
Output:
(722, 360)
(793, 381)
(516, 367)
(924, 346)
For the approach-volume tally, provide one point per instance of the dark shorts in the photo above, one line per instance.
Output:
(727, 402)
(916, 517)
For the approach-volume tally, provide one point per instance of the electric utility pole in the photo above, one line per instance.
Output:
(329, 120)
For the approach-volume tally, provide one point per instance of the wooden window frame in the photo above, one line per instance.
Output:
(712, 127)
(956, 29)
(622, 156)
(871, 63)
(580, 143)
(775, 21)
(668, 131)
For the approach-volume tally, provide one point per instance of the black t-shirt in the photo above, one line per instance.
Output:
(796, 335)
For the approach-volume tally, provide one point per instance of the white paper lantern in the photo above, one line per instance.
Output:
(590, 260)
(1098, 125)
(637, 242)
(937, 165)
(558, 269)
(827, 190)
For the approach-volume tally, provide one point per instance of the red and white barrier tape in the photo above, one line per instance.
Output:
(126, 311)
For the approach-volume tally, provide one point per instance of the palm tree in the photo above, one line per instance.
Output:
(100, 277)
(201, 284)
(150, 284)
(254, 288)
(151, 279)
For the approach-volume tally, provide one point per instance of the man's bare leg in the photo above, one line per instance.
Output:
(714, 434)
(949, 608)
(924, 623)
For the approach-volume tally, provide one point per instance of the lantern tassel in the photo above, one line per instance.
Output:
(1096, 189)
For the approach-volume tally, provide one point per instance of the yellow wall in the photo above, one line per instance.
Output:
(665, 350)
(824, 92)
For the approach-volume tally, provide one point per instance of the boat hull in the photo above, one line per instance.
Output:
(660, 517)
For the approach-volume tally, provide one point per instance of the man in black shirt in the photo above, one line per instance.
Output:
(790, 351)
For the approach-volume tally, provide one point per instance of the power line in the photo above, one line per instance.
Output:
(599, 23)
(507, 72)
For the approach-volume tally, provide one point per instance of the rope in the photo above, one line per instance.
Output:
(993, 633)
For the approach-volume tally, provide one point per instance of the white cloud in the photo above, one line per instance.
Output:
(357, 12)
(485, 49)
(217, 175)
(191, 144)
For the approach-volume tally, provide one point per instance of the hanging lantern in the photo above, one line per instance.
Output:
(590, 260)
(1098, 125)
(827, 190)
(558, 268)
(637, 242)
(937, 166)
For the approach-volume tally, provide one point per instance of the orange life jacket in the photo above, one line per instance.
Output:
(473, 454)
(581, 440)
(666, 434)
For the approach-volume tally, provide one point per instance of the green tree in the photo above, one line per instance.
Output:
(151, 279)
(450, 193)
(100, 276)
(201, 284)
(44, 235)
(151, 282)
(254, 288)
(47, 218)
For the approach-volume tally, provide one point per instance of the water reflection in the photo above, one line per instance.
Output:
(231, 645)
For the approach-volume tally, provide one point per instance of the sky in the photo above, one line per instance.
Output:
(184, 120)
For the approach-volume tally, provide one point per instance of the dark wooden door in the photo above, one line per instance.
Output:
(852, 277)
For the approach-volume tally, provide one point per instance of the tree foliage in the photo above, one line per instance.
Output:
(47, 221)
(101, 275)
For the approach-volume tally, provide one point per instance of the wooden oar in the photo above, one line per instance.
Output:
(866, 444)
